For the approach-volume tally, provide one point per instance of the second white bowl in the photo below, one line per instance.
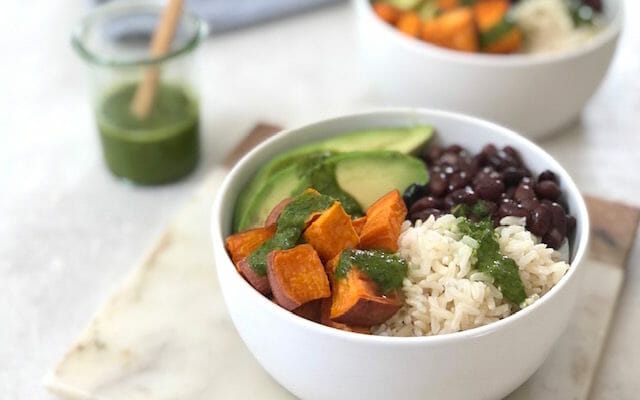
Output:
(535, 94)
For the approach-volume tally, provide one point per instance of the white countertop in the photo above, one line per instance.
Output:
(69, 232)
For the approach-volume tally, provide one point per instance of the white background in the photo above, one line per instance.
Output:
(69, 232)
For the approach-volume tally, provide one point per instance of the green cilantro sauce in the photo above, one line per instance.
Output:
(503, 269)
(323, 179)
(385, 269)
(290, 226)
(160, 148)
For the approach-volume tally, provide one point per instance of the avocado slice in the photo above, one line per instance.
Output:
(405, 5)
(363, 175)
(405, 140)
(283, 184)
(367, 176)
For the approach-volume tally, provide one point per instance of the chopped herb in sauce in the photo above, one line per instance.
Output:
(503, 269)
(323, 178)
(385, 269)
(290, 226)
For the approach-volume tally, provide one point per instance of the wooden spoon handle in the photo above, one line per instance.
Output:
(160, 45)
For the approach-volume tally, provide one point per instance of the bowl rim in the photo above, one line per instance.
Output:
(267, 305)
(611, 31)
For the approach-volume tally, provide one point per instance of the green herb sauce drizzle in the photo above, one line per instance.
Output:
(503, 269)
(290, 226)
(385, 269)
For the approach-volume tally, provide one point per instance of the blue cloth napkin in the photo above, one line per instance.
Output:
(224, 15)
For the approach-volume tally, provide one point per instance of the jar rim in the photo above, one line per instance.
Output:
(77, 42)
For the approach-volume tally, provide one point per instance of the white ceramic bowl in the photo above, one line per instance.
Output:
(317, 362)
(535, 94)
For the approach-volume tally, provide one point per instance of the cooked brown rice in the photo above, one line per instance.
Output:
(443, 293)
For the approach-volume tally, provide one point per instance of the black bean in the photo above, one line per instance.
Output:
(524, 191)
(547, 190)
(571, 223)
(507, 161)
(432, 153)
(539, 220)
(547, 175)
(558, 218)
(449, 159)
(530, 204)
(425, 214)
(489, 188)
(489, 150)
(495, 161)
(454, 148)
(413, 193)
(553, 238)
(426, 202)
(458, 180)
(513, 175)
(465, 195)
(438, 184)
(513, 153)
(510, 208)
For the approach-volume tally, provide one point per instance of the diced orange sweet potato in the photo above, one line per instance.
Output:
(409, 23)
(355, 301)
(508, 43)
(446, 5)
(325, 311)
(331, 232)
(297, 276)
(384, 222)
(358, 224)
(241, 244)
(489, 13)
(310, 311)
(272, 218)
(454, 29)
(386, 12)
(259, 282)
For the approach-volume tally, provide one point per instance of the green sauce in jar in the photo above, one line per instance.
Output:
(161, 148)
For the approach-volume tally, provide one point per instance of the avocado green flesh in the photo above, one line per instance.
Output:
(404, 140)
(405, 4)
(367, 176)
(356, 179)
(285, 183)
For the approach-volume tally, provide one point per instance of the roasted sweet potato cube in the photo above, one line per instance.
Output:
(325, 311)
(240, 245)
(272, 218)
(358, 224)
(489, 13)
(259, 282)
(331, 232)
(310, 311)
(386, 12)
(409, 23)
(356, 301)
(384, 222)
(446, 5)
(507, 43)
(454, 29)
(297, 276)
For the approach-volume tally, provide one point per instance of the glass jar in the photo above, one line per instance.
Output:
(114, 40)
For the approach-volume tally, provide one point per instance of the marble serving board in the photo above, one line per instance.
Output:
(165, 333)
